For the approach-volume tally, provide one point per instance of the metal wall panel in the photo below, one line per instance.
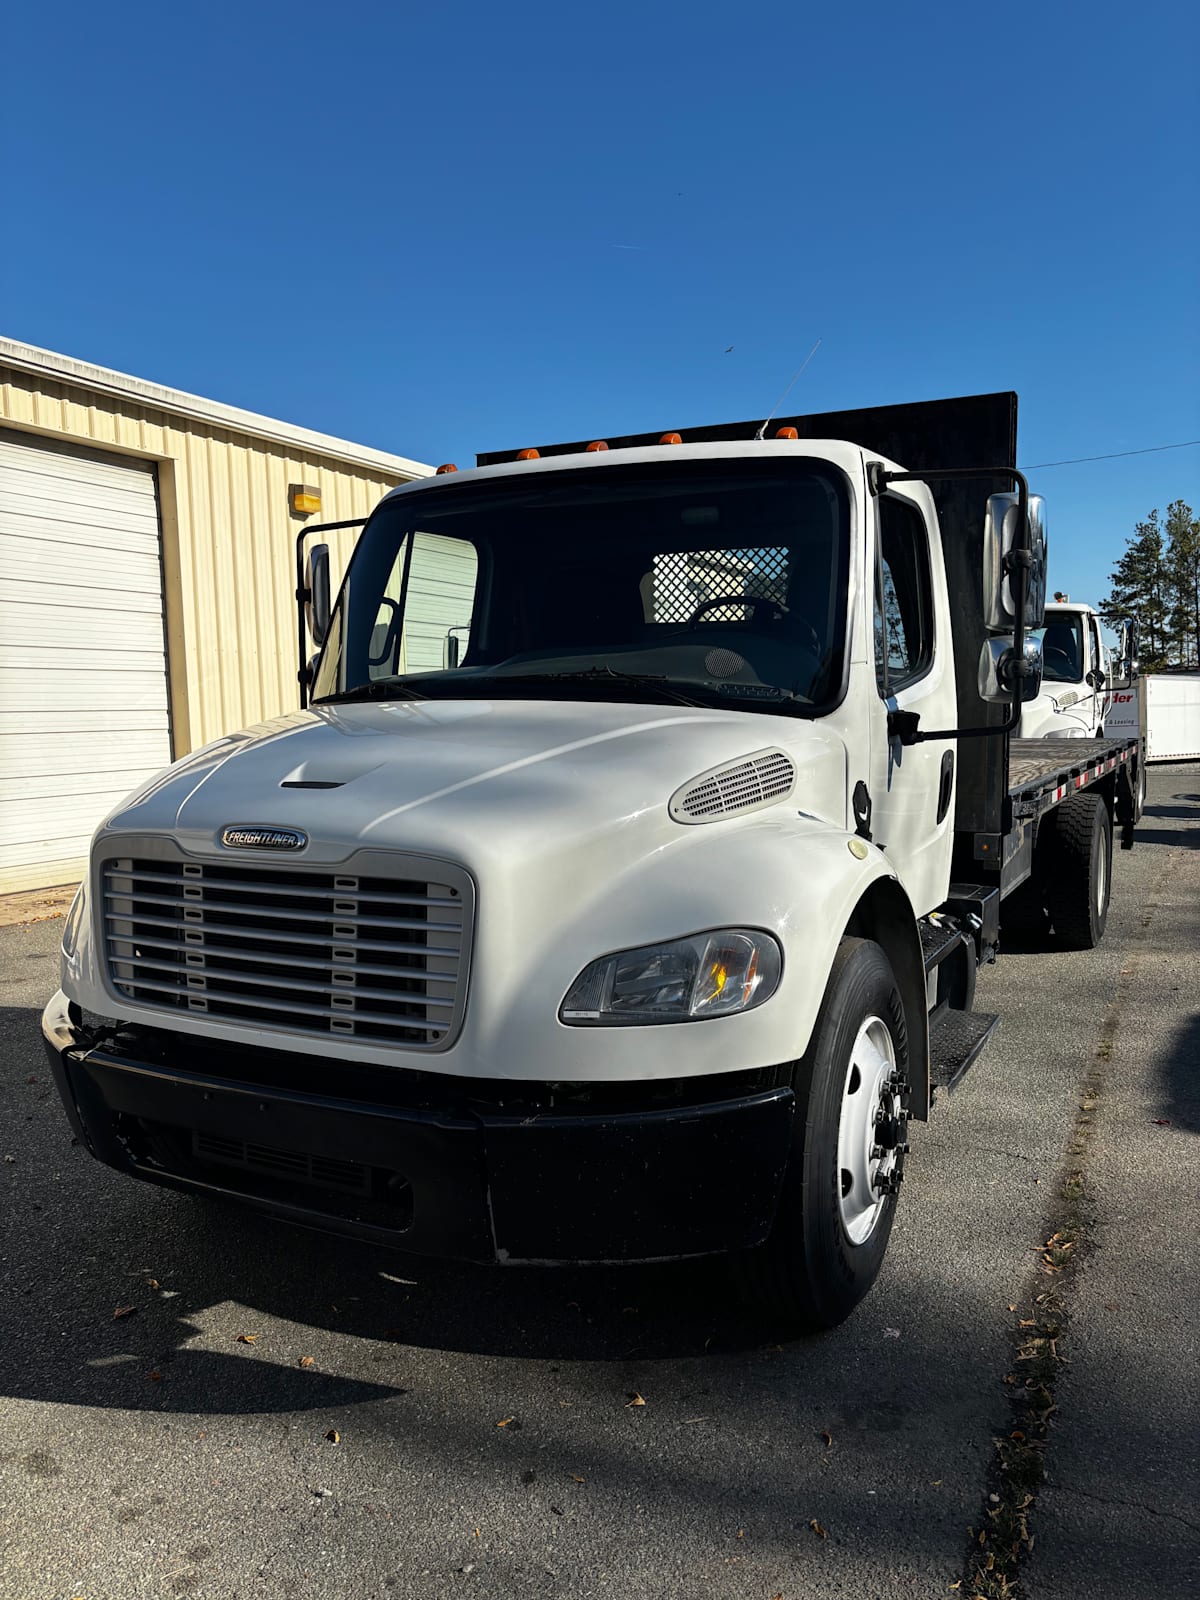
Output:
(228, 541)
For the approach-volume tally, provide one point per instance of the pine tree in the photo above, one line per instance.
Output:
(1183, 565)
(1142, 588)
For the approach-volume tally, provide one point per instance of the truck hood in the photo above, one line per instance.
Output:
(464, 778)
(1054, 713)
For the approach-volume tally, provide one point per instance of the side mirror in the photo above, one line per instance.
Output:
(999, 674)
(1000, 532)
(316, 593)
(453, 646)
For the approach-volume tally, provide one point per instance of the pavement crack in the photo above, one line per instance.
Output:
(1128, 1505)
(999, 1548)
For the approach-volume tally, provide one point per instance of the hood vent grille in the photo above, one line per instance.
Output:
(758, 780)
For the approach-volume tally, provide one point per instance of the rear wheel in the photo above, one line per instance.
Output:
(839, 1196)
(1079, 880)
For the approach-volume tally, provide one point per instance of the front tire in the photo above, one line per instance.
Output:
(839, 1195)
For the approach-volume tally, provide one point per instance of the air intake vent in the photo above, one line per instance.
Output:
(759, 780)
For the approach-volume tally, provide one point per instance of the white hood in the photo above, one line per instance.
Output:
(559, 812)
(457, 778)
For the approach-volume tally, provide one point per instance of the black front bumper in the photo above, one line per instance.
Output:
(480, 1170)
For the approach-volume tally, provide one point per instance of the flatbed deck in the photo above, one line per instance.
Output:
(1039, 768)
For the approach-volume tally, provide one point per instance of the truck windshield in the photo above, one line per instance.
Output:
(1062, 649)
(711, 584)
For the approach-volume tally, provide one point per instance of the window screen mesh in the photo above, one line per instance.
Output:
(685, 579)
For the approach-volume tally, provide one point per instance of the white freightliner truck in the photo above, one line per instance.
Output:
(1076, 687)
(618, 894)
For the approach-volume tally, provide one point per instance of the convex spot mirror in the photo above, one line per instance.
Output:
(316, 584)
(1000, 531)
(998, 674)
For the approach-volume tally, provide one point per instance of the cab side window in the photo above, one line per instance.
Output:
(903, 597)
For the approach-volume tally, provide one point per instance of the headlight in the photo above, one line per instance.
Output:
(74, 922)
(708, 975)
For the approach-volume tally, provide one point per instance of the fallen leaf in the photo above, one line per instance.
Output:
(957, 1585)
(635, 1399)
(575, 1478)
(152, 1283)
(1027, 1322)
(1012, 1308)
(247, 1338)
(1162, 1122)
(477, 1533)
(741, 1533)
(334, 1436)
(826, 1437)
(156, 1376)
(124, 1311)
(508, 1422)
(1017, 1434)
(818, 1529)
(307, 1361)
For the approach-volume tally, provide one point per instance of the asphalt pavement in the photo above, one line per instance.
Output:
(281, 1414)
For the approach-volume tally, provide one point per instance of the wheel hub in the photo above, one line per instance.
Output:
(871, 1130)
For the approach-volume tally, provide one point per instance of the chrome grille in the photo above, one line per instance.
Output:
(325, 953)
(757, 781)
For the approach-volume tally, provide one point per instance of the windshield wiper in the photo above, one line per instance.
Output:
(659, 682)
(375, 689)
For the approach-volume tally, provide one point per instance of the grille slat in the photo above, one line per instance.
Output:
(290, 891)
(377, 946)
(270, 980)
(289, 914)
(295, 950)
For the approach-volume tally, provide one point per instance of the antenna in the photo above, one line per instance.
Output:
(762, 432)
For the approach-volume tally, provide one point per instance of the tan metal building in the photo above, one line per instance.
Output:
(146, 580)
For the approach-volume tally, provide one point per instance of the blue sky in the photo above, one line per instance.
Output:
(443, 229)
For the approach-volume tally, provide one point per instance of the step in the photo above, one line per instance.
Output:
(938, 940)
(956, 1041)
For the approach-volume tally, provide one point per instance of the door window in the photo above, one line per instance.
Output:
(903, 597)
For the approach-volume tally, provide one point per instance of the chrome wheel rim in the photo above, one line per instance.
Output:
(871, 1130)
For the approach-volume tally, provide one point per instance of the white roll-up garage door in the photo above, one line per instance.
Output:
(83, 679)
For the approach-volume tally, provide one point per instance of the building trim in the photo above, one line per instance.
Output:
(177, 402)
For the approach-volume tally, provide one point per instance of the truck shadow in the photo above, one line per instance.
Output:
(1181, 1078)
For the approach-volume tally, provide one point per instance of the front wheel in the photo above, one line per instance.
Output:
(847, 1159)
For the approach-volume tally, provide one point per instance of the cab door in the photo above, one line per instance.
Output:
(912, 786)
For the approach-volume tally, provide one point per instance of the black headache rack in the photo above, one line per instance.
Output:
(968, 431)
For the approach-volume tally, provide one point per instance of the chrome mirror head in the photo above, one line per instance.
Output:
(998, 675)
(1000, 531)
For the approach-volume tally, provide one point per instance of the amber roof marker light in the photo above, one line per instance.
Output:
(446, 466)
(786, 433)
(597, 444)
(529, 455)
(670, 438)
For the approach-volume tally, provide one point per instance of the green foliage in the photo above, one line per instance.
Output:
(1157, 582)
